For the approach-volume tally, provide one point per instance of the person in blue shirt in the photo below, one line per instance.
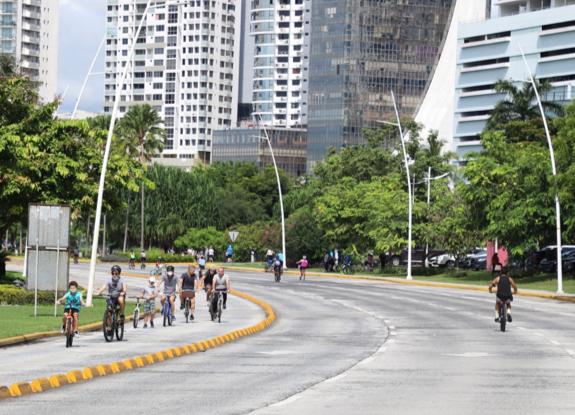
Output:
(73, 301)
(280, 256)
(229, 253)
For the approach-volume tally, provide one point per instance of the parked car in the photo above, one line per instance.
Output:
(417, 257)
(533, 261)
(441, 260)
(549, 261)
(468, 260)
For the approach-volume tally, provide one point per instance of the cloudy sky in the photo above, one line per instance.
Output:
(82, 27)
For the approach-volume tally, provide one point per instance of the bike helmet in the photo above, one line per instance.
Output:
(170, 270)
(116, 268)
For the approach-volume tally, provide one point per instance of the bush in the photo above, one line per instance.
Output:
(151, 256)
(200, 239)
(18, 296)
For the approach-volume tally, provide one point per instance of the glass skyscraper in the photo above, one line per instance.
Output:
(360, 51)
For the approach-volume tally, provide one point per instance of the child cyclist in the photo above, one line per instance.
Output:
(149, 294)
(303, 264)
(74, 301)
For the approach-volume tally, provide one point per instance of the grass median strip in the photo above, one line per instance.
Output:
(56, 381)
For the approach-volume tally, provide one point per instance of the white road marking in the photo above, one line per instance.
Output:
(468, 354)
(556, 343)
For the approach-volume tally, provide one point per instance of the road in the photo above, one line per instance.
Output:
(345, 347)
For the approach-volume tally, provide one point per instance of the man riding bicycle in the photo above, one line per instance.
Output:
(504, 284)
(208, 281)
(221, 284)
(170, 283)
(188, 287)
(116, 289)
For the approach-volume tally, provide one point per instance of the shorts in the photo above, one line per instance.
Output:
(504, 298)
(149, 306)
(167, 295)
(202, 267)
(74, 310)
(188, 294)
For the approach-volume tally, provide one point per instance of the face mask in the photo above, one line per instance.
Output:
(170, 274)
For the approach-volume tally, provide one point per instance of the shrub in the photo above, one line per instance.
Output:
(18, 296)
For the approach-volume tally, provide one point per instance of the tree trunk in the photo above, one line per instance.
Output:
(126, 224)
(142, 219)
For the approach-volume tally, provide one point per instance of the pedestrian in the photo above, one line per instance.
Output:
(229, 253)
(495, 263)
(211, 254)
(303, 264)
(326, 262)
(382, 260)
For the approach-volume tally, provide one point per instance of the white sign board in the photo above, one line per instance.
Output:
(233, 235)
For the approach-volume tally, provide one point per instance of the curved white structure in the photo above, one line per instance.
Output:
(438, 105)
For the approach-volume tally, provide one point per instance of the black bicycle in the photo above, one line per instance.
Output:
(188, 309)
(344, 268)
(112, 323)
(217, 305)
(503, 316)
(69, 327)
(277, 273)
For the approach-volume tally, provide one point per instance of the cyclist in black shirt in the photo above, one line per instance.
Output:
(188, 287)
(504, 284)
(208, 281)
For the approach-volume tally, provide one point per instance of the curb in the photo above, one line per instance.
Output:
(434, 284)
(75, 376)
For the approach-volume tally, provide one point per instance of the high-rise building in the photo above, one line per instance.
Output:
(185, 65)
(360, 51)
(280, 70)
(29, 33)
(490, 50)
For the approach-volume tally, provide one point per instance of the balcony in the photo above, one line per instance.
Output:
(30, 52)
(31, 14)
(31, 27)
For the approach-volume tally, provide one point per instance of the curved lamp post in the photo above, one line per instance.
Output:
(407, 175)
(260, 123)
(554, 171)
(87, 77)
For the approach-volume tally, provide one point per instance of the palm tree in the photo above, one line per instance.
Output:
(141, 128)
(520, 103)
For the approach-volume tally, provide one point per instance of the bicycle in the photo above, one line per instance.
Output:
(219, 302)
(132, 264)
(167, 311)
(503, 316)
(136, 316)
(69, 327)
(156, 271)
(112, 322)
(277, 273)
(344, 268)
(187, 308)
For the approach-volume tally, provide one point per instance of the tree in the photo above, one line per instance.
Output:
(140, 126)
(520, 103)
(201, 238)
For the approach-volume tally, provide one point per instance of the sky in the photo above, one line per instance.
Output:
(82, 27)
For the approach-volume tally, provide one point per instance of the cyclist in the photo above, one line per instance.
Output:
(211, 254)
(188, 286)
(143, 259)
(170, 283)
(202, 262)
(149, 294)
(116, 289)
(132, 260)
(221, 284)
(74, 301)
(76, 255)
(208, 283)
(303, 264)
(504, 283)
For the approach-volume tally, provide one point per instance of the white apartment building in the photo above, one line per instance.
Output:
(185, 65)
(280, 72)
(29, 33)
(502, 8)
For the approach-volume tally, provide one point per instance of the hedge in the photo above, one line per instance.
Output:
(17, 296)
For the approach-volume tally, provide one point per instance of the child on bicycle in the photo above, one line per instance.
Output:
(149, 294)
(303, 264)
(74, 301)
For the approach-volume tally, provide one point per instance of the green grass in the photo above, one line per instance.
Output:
(19, 320)
(11, 276)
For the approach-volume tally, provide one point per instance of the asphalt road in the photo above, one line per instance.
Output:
(347, 347)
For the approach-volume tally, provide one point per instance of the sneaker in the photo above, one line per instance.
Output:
(76, 333)
(173, 317)
(509, 319)
(145, 326)
(497, 319)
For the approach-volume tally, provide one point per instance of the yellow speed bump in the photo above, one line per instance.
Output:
(56, 381)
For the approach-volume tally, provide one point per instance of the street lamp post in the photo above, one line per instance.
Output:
(87, 77)
(408, 179)
(279, 191)
(428, 180)
(554, 171)
(119, 88)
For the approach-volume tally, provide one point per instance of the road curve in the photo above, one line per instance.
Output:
(341, 347)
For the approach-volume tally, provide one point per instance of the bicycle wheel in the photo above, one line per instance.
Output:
(136, 318)
(502, 316)
(69, 332)
(220, 310)
(187, 310)
(107, 326)
(119, 327)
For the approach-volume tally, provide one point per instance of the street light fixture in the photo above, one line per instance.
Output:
(554, 171)
(407, 175)
(90, 73)
(260, 123)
